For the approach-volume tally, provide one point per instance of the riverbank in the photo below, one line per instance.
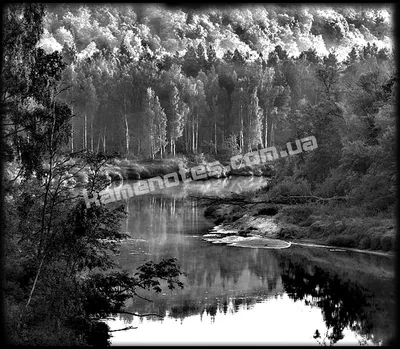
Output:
(214, 169)
(202, 167)
(331, 226)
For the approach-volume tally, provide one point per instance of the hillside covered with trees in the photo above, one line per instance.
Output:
(150, 79)
(152, 82)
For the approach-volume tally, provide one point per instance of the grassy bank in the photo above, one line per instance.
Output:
(136, 169)
(328, 224)
(337, 225)
(144, 169)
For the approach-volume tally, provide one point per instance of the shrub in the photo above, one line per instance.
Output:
(181, 159)
(376, 243)
(341, 240)
(375, 191)
(199, 159)
(387, 242)
(268, 211)
(290, 186)
(365, 243)
(125, 162)
(337, 183)
(300, 214)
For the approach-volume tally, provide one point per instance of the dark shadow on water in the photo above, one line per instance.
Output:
(354, 291)
(349, 297)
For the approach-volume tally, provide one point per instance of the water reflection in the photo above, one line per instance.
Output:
(297, 291)
(352, 297)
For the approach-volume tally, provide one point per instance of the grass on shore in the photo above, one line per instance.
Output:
(131, 169)
(338, 225)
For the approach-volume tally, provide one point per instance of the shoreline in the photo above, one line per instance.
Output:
(265, 221)
(344, 249)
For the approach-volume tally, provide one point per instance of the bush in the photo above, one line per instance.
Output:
(338, 183)
(387, 243)
(199, 159)
(375, 192)
(300, 213)
(289, 187)
(341, 240)
(124, 162)
(376, 243)
(268, 211)
(365, 243)
(181, 160)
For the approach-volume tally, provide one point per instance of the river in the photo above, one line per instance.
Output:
(243, 296)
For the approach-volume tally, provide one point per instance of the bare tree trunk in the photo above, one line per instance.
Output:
(98, 142)
(72, 136)
(126, 135)
(187, 138)
(241, 130)
(35, 282)
(91, 134)
(197, 132)
(126, 129)
(161, 145)
(104, 140)
(272, 134)
(215, 132)
(265, 128)
(193, 134)
(72, 130)
(85, 133)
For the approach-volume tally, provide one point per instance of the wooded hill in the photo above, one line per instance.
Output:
(148, 79)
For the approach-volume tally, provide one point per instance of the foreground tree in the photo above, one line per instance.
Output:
(60, 277)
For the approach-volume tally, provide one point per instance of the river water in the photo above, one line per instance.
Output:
(243, 296)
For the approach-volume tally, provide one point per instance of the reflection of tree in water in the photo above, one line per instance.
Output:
(343, 303)
(187, 308)
(190, 307)
(230, 263)
(264, 264)
(246, 302)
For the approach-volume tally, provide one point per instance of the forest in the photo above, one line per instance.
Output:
(148, 80)
(156, 82)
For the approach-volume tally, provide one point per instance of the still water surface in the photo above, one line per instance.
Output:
(246, 296)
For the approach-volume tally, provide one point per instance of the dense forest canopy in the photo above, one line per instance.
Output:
(222, 77)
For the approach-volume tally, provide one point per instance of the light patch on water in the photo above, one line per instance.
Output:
(279, 320)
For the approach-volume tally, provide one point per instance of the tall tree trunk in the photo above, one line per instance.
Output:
(197, 132)
(264, 128)
(72, 130)
(161, 145)
(91, 133)
(126, 129)
(269, 130)
(72, 136)
(126, 135)
(85, 133)
(241, 130)
(187, 138)
(193, 134)
(215, 132)
(272, 138)
(104, 140)
(98, 142)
